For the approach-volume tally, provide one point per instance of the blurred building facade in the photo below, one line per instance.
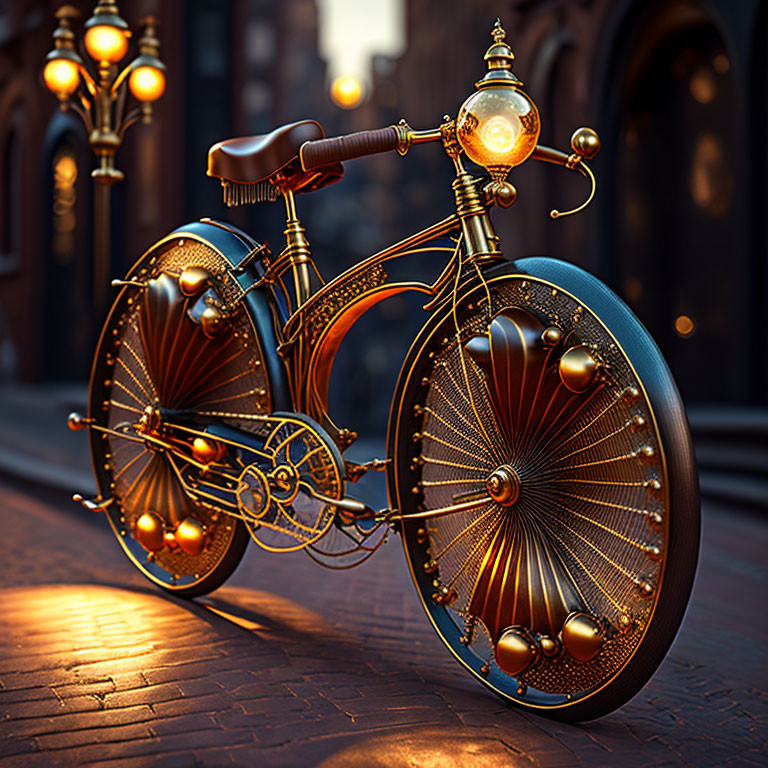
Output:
(676, 89)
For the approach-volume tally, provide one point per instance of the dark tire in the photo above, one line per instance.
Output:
(565, 599)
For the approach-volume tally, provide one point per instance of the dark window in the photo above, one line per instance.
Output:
(10, 196)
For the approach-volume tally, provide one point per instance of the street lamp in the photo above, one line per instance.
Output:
(98, 92)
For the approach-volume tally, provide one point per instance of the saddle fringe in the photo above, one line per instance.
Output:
(236, 193)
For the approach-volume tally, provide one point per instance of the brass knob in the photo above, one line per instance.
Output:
(585, 142)
(193, 280)
(212, 321)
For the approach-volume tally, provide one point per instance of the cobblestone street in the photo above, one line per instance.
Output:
(289, 664)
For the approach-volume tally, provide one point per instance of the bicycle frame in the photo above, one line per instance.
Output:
(312, 335)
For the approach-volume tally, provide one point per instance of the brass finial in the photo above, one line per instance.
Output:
(64, 37)
(497, 33)
(499, 58)
(148, 42)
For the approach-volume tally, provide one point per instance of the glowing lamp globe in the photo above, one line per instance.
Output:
(498, 126)
(61, 76)
(106, 43)
(147, 83)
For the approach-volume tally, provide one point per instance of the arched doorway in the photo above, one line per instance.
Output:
(679, 249)
(67, 266)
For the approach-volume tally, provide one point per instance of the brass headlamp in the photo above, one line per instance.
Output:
(498, 126)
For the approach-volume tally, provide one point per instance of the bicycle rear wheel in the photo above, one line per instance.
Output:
(154, 358)
(545, 476)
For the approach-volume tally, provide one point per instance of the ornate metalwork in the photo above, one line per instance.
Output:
(535, 467)
(556, 538)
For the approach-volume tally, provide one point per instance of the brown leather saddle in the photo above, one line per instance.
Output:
(252, 159)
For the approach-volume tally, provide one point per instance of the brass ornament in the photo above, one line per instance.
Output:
(582, 636)
(193, 280)
(150, 531)
(578, 368)
(206, 450)
(190, 536)
(212, 321)
(77, 422)
(551, 335)
(515, 650)
(550, 647)
(585, 142)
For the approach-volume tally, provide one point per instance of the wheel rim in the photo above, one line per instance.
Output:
(545, 583)
(153, 355)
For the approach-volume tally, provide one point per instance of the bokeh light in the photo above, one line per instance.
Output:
(347, 92)
(106, 43)
(61, 76)
(684, 326)
(147, 83)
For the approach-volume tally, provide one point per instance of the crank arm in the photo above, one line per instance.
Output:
(440, 512)
(357, 509)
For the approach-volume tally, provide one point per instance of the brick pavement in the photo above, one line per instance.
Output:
(300, 666)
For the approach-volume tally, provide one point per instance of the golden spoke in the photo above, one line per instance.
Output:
(453, 447)
(464, 532)
(460, 481)
(493, 528)
(456, 411)
(140, 362)
(135, 380)
(129, 392)
(592, 445)
(126, 407)
(457, 432)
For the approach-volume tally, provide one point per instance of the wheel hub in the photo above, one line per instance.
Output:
(504, 485)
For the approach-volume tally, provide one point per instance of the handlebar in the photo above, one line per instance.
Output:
(314, 154)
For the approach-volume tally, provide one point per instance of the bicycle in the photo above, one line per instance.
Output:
(539, 464)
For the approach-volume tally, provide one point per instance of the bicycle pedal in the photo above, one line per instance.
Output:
(92, 505)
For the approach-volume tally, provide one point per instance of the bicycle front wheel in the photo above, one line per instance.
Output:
(546, 482)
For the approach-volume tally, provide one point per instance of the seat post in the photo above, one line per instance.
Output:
(297, 250)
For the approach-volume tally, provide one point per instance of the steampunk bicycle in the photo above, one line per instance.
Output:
(539, 464)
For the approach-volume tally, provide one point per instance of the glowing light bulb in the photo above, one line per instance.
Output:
(147, 83)
(61, 76)
(106, 43)
(498, 128)
(347, 91)
(499, 135)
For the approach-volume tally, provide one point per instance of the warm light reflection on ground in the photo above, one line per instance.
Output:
(432, 748)
(135, 623)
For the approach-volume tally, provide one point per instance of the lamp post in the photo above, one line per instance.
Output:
(96, 89)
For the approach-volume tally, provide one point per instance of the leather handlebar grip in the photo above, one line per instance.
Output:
(315, 154)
